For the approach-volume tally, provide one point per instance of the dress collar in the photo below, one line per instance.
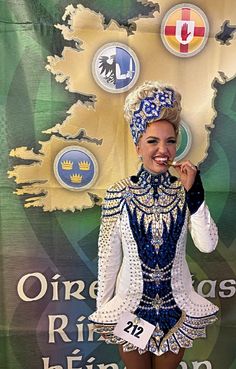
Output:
(148, 178)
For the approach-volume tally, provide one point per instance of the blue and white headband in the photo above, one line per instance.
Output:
(149, 110)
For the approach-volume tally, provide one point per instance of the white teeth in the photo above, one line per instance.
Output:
(161, 159)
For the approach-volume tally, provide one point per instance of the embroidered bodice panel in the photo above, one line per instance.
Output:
(157, 209)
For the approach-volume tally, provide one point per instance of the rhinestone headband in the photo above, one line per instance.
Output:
(150, 110)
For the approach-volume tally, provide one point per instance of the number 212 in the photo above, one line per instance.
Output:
(136, 331)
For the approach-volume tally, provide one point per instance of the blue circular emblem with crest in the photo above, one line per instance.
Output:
(115, 67)
(75, 168)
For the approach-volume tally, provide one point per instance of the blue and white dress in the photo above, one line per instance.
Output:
(142, 267)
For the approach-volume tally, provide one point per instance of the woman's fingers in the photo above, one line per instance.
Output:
(187, 173)
(185, 165)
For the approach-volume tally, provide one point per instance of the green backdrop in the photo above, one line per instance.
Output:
(63, 246)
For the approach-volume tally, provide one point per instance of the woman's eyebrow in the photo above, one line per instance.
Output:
(157, 138)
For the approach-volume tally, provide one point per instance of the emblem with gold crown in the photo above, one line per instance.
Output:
(76, 178)
(75, 168)
(84, 165)
(67, 165)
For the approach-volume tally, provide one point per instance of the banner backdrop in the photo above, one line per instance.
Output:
(66, 68)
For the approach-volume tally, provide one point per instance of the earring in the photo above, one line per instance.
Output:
(140, 157)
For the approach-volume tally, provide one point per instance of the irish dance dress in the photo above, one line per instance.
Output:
(142, 267)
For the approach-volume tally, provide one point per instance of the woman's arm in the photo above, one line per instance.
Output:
(202, 227)
(109, 247)
(109, 259)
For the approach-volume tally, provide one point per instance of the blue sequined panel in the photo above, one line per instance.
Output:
(157, 305)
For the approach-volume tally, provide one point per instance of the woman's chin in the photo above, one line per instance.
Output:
(157, 168)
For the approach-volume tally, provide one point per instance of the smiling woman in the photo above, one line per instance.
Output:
(146, 302)
(157, 146)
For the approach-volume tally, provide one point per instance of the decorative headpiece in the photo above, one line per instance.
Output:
(149, 110)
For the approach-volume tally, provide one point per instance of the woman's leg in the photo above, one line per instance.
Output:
(169, 360)
(134, 360)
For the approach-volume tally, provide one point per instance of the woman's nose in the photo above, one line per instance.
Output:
(162, 147)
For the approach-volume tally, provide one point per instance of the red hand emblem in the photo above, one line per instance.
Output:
(184, 32)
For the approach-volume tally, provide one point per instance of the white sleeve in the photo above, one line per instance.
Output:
(203, 229)
(109, 259)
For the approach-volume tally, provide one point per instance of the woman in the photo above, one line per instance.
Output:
(142, 266)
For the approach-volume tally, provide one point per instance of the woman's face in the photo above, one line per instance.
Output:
(157, 145)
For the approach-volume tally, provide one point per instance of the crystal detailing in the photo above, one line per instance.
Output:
(149, 110)
(158, 302)
(157, 274)
(181, 335)
(136, 216)
(110, 248)
(136, 320)
(128, 194)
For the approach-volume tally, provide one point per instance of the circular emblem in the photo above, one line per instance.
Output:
(184, 30)
(184, 141)
(115, 67)
(75, 168)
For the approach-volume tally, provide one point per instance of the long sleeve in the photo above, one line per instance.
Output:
(203, 229)
(195, 196)
(109, 259)
(120, 281)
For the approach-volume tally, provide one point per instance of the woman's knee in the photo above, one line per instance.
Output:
(134, 360)
(169, 360)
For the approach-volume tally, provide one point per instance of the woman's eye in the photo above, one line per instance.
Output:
(152, 141)
(172, 141)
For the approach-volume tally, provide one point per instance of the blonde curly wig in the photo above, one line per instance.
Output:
(169, 110)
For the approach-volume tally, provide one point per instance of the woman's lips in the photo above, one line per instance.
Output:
(165, 161)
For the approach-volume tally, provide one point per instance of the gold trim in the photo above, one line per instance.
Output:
(174, 329)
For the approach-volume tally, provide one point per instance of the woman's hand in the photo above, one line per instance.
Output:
(187, 173)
